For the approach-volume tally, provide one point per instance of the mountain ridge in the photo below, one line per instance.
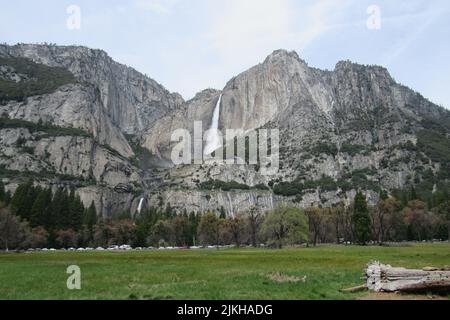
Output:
(347, 129)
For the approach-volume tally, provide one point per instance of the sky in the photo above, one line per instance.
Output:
(191, 45)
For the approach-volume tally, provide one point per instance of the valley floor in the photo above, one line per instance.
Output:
(307, 273)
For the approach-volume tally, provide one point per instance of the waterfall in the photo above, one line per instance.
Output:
(141, 202)
(212, 137)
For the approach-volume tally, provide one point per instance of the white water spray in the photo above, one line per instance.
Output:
(212, 137)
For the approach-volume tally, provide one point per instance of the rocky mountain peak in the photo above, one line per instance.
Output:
(348, 67)
(283, 55)
(204, 94)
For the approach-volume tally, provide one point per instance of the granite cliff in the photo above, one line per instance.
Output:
(107, 132)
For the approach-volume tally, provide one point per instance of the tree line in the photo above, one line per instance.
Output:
(34, 217)
(390, 220)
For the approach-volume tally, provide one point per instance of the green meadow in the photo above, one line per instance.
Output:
(303, 273)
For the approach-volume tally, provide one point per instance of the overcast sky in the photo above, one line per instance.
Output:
(190, 45)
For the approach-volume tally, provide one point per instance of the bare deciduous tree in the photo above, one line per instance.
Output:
(382, 218)
(315, 218)
(13, 232)
(236, 227)
(254, 219)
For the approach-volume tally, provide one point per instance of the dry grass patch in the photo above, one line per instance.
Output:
(283, 278)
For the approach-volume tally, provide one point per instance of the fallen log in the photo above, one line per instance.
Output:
(384, 278)
(355, 289)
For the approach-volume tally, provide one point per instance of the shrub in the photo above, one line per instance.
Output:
(48, 129)
(222, 185)
(325, 148)
(288, 189)
(353, 149)
(40, 80)
(285, 226)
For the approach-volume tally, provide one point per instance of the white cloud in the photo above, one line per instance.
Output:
(160, 7)
(318, 19)
(230, 36)
(242, 30)
(239, 27)
(241, 33)
(415, 25)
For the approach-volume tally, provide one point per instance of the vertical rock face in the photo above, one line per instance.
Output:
(231, 202)
(200, 108)
(133, 101)
(369, 94)
(271, 90)
(72, 106)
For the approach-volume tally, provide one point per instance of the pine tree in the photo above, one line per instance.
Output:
(384, 195)
(169, 213)
(223, 214)
(361, 219)
(413, 194)
(66, 219)
(8, 197)
(19, 197)
(40, 211)
(23, 199)
(60, 209)
(90, 218)
(2, 192)
(193, 222)
(76, 211)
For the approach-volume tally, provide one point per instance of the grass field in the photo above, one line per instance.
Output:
(206, 274)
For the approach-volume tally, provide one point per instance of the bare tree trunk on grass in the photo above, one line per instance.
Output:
(384, 278)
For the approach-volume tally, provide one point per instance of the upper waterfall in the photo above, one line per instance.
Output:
(139, 209)
(213, 140)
